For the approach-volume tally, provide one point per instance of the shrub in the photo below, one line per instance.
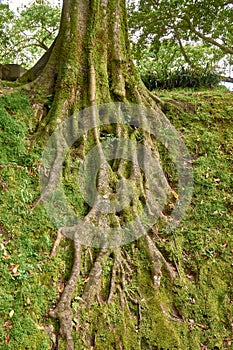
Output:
(180, 78)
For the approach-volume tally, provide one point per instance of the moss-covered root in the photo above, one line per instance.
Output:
(63, 311)
(90, 65)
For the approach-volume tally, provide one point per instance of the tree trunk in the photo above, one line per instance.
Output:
(89, 65)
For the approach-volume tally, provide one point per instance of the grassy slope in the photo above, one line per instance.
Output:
(201, 248)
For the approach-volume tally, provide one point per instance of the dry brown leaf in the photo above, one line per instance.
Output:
(203, 347)
(7, 325)
(8, 338)
(14, 268)
(39, 267)
(11, 313)
(202, 326)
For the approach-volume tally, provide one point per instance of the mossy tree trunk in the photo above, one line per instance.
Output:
(89, 64)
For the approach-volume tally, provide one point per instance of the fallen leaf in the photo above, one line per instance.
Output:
(191, 321)
(39, 267)
(14, 268)
(16, 274)
(11, 313)
(7, 325)
(4, 186)
(8, 338)
(190, 277)
(31, 171)
(6, 256)
(203, 326)
(60, 286)
(203, 347)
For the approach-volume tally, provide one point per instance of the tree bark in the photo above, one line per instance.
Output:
(89, 64)
(36, 70)
(90, 61)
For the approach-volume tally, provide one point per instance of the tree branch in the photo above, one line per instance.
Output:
(227, 79)
(206, 38)
(187, 59)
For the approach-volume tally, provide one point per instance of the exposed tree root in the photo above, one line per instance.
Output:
(122, 269)
(158, 261)
(121, 273)
(56, 244)
(89, 68)
(63, 311)
(115, 268)
(92, 286)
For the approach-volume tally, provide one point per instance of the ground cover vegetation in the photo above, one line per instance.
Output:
(166, 290)
(196, 309)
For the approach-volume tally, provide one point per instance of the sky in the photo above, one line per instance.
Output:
(228, 85)
(18, 3)
(14, 3)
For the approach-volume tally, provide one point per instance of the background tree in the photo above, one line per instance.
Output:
(168, 68)
(28, 33)
(183, 22)
(6, 19)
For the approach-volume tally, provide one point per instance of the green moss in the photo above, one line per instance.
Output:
(196, 310)
(205, 121)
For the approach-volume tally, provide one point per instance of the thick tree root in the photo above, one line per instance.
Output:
(92, 287)
(63, 311)
(80, 79)
(121, 274)
(122, 268)
(158, 261)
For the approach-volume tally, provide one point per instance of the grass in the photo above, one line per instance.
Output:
(205, 120)
(201, 247)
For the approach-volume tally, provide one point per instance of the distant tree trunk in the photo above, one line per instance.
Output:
(89, 64)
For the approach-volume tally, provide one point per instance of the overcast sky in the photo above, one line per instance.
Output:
(18, 3)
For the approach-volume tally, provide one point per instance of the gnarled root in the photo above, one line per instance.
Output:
(63, 311)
